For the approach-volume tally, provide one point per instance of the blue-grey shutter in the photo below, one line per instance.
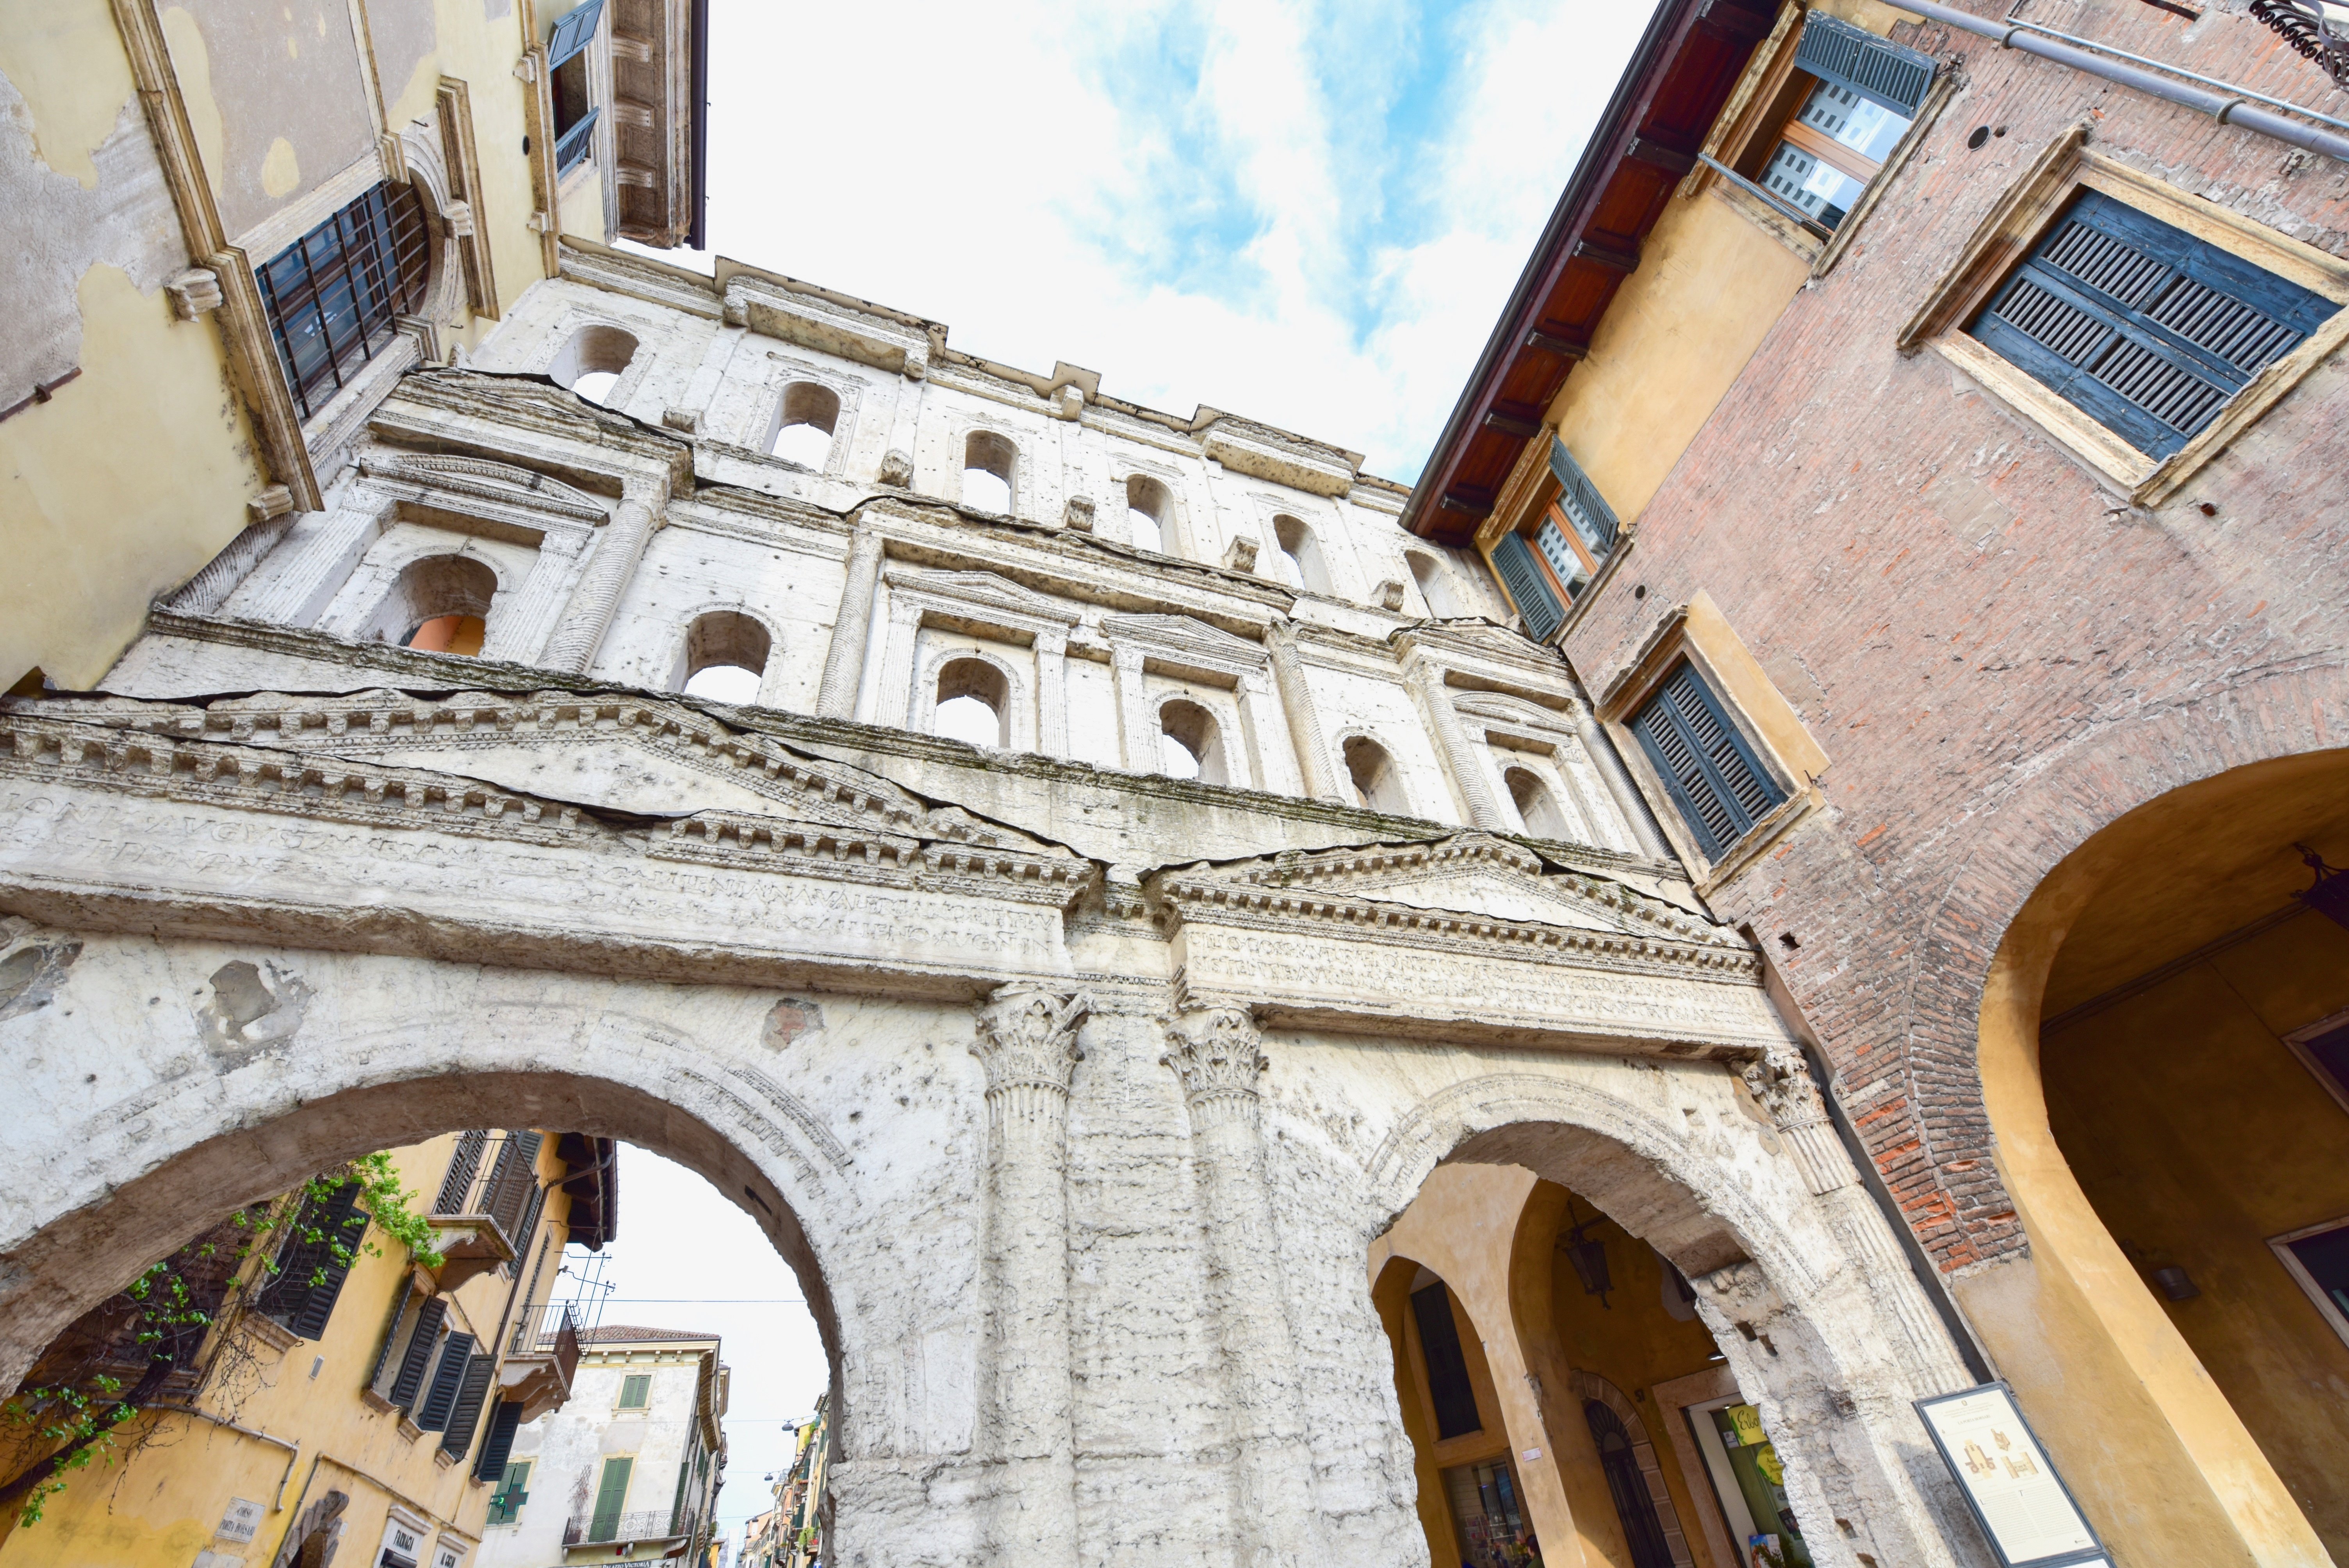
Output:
(410, 1380)
(464, 1164)
(1581, 501)
(1834, 51)
(514, 1182)
(465, 1415)
(574, 31)
(1718, 784)
(448, 1381)
(310, 1273)
(2146, 328)
(499, 1445)
(1522, 575)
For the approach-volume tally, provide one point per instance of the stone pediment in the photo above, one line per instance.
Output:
(1478, 874)
(1514, 712)
(1184, 640)
(980, 593)
(488, 480)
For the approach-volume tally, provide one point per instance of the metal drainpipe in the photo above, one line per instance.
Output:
(293, 1450)
(2228, 106)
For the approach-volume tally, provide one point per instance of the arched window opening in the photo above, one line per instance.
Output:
(725, 655)
(974, 704)
(1537, 808)
(1191, 743)
(1149, 513)
(590, 363)
(1435, 585)
(1302, 553)
(805, 423)
(989, 468)
(1377, 784)
(442, 605)
(1642, 1531)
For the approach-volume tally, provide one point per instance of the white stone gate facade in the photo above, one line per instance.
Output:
(1074, 1092)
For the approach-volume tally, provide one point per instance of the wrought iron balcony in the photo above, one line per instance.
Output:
(593, 1529)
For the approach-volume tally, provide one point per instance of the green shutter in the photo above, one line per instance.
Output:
(611, 1496)
(634, 1389)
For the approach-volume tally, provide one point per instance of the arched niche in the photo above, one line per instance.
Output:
(725, 656)
(807, 420)
(592, 360)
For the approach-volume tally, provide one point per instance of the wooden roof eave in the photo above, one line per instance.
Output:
(1678, 78)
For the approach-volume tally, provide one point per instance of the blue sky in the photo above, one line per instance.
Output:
(1305, 212)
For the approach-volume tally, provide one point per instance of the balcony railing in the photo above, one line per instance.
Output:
(649, 1524)
(556, 1332)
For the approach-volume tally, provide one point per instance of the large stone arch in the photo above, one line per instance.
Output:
(1803, 1290)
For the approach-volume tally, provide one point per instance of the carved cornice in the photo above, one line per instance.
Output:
(1219, 1054)
(981, 597)
(452, 406)
(1181, 640)
(485, 480)
(1027, 1043)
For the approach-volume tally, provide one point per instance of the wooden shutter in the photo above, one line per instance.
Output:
(677, 1508)
(1581, 501)
(464, 1164)
(513, 1181)
(1719, 785)
(448, 1381)
(465, 1415)
(1834, 51)
(2143, 326)
(410, 1380)
(634, 1391)
(573, 32)
(1536, 602)
(504, 1418)
(529, 1229)
(310, 1275)
(399, 1305)
(611, 1495)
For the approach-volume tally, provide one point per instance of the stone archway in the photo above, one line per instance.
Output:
(1796, 1275)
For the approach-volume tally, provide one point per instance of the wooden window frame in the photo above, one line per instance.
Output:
(1772, 728)
(2013, 229)
(2326, 1307)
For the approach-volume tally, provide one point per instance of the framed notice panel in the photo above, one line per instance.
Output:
(2022, 1504)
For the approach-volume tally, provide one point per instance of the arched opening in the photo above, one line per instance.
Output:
(1191, 743)
(1302, 555)
(726, 655)
(592, 361)
(1378, 785)
(805, 422)
(1435, 585)
(2161, 1048)
(1537, 808)
(390, 1291)
(439, 605)
(974, 704)
(989, 472)
(1149, 514)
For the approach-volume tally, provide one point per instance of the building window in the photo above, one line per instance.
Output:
(1572, 540)
(592, 360)
(1848, 101)
(1190, 743)
(1435, 585)
(513, 1475)
(1643, 1532)
(805, 421)
(575, 112)
(1149, 514)
(333, 295)
(635, 1390)
(974, 704)
(2318, 1260)
(1302, 555)
(1714, 779)
(1536, 807)
(2143, 327)
(442, 604)
(725, 656)
(1538, 604)
(611, 1498)
(989, 463)
(1448, 1388)
(1378, 784)
(315, 1257)
(435, 1410)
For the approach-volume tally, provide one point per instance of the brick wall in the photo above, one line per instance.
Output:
(1999, 655)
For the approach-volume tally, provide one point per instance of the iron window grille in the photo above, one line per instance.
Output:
(335, 296)
(2143, 327)
(1719, 785)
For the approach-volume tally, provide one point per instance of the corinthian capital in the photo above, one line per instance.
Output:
(1218, 1055)
(1028, 1037)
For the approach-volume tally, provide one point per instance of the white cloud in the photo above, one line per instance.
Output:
(1208, 204)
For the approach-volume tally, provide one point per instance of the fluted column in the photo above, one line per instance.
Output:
(851, 625)
(1027, 1044)
(1053, 692)
(1425, 681)
(209, 589)
(1305, 735)
(1628, 799)
(597, 598)
(893, 705)
(1137, 738)
(1218, 1056)
(517, 631)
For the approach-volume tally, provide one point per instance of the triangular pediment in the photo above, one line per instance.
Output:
(1181, 637)
(983, 590)
(491, 481)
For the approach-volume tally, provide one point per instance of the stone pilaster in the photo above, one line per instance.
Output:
(597, 597)
(1027, 1044)
(1137, 737)
(518, 630)
(313, 560)
(1053, 692)
(1424, 680)
(1218, 1055)
(1304, 723)
(209, 589)
(851, 625)
(1628, 799)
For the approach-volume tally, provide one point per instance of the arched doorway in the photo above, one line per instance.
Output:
(2155, 1046)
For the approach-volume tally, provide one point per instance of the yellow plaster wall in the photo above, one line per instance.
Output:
(163, 1507)
(121, 486)
(2196, 1135)
(1709, 286)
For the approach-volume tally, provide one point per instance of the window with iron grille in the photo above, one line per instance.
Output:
(2143, 327)
(1719, 785)
(333, 296)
